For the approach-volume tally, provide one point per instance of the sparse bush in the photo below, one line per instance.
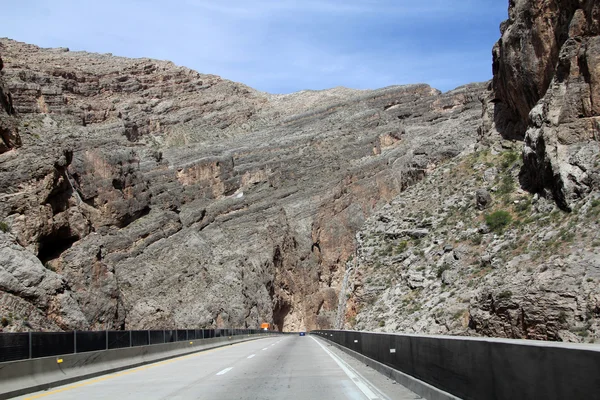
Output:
(441, 269)
(507, 294)
(388, 250)
(458, 314)
(476, 239)
(401, 247)
(498, 220)
(566, 236)
(381, 324)
(5, 322)
(50, 266)
(562, 317)
(507, 185)
(508, 159)
(4, 227)
(583, 332)
(523, 206)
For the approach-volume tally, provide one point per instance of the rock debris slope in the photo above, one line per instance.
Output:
(138, 194)
(468, 250)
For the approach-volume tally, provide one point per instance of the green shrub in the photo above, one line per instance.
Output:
(523, 206)
(441, 269)
(401, 247)
(507, 294)
(562, 317)
(507, 185)
(476, 239)
(388, 250)
(498, 220)
(4, 227)
(508, 159)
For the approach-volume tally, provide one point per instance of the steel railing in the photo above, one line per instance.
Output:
(27, 345)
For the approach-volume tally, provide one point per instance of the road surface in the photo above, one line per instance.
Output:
(281, 367)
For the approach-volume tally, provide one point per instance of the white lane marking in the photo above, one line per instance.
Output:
(226, 370)
(358, 380)
(251, 356)
(265, 348)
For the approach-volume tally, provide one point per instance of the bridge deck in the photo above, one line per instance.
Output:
(284, 367)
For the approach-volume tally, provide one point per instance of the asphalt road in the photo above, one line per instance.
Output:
(282, 367)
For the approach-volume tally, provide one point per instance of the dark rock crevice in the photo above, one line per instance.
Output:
(51, 246)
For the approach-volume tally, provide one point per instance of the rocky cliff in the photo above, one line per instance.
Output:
(546, 90)
(140, 194)
(503, 241)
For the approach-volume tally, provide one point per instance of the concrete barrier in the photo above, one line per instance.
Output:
(483, 368)
(27, 376)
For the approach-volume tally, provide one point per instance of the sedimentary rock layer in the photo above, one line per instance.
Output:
(155, 196)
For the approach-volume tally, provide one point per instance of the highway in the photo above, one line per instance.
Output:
(281, 367)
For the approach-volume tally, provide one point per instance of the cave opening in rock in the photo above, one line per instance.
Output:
(53, 245)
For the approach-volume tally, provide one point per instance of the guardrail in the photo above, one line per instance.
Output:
(59, 358)
(478, 368)
(29, 345)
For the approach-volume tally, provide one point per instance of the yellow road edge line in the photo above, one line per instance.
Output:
(129, 371)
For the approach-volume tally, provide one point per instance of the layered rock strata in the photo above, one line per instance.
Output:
(159, 197)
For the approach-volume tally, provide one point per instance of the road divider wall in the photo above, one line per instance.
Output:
(481, 368)
(27, 376)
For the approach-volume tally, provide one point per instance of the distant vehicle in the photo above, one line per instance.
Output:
(265, 326)
(302, 333)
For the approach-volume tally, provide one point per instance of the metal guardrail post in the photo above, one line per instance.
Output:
(130, 340)
(186, 334)
(106, 333)
(74, 342)
(164, 337)
(148, 336)
(30, 346)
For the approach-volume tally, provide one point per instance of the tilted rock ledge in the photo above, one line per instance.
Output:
(161, 197)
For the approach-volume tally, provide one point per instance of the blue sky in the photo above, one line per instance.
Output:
(280, 46)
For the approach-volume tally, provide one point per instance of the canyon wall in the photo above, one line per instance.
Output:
(141, 194)
(503, 241)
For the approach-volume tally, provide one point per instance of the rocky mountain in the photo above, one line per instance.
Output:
(503, 241)
(139, 194)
